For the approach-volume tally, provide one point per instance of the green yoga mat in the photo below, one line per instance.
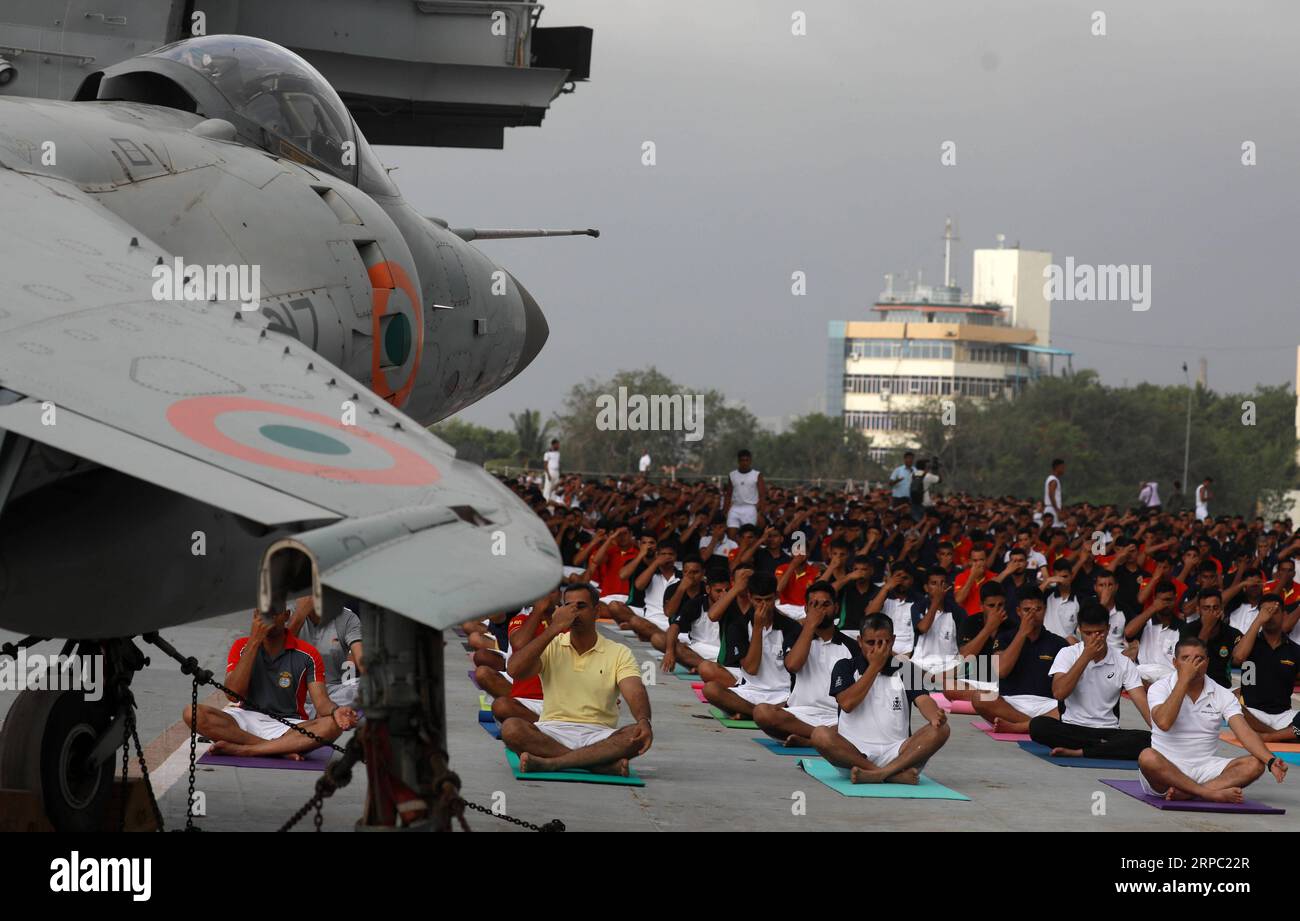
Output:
(575, 776)
(731, 724)
(681, 672)
(827, 773)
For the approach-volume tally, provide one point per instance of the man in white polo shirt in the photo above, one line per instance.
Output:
(1088, 677)
(810, 662)
(1052, 503)
(872, 741)
(1186, 710)
(895, 600)
(1157, 630)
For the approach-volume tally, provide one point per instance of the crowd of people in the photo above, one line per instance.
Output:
(828, 616)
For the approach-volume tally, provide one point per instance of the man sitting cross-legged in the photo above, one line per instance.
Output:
(810, 662)
(275, 672)
(1186, 709)
(583, 674)
(523, 698)
(1024, 656)
(1088, 678)
(770, 634)
(872, 741)
(692, 638)
(1270, 663)
(730, 611)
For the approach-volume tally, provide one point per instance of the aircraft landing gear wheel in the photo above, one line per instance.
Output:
(47, 737)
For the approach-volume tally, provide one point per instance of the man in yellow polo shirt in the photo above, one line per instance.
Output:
(583, 674)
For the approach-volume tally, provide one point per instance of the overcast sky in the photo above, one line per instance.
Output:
(821, 153)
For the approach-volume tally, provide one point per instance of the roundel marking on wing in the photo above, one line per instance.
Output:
(385, 278)
(293, 439)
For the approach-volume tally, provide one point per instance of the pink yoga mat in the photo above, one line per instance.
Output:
(314, 760)
(953, 706)
(699, 692)
(987, 729)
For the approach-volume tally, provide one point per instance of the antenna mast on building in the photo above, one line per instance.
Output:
(948, 237)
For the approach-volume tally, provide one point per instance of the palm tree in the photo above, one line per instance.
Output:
(532, 434)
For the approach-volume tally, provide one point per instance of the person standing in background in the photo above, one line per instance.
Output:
(1052, 492)
(901, 478)
(551, 461)
(1203, 497)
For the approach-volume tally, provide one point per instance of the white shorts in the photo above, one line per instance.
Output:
(343, 695)
(815, 716)
(705, 651)
(532, 703)
(1201, 772)
(760, 695)
(742, 514)
(574, 735)
(1274, 720)
(258, 724)
(658, 618)
(879, 755)
(1031, 705)
(606, 599)
(792, 611)
(1154, 672)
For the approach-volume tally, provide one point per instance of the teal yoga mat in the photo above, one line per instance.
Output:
(828, 774)
(578, 776)
(777, 748)
(1042, 751)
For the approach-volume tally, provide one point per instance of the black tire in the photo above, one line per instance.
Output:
(46, 738)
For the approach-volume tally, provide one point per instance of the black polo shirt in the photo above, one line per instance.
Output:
(853, 606)
(691, 609)
(1030, 674)
(1275, 675)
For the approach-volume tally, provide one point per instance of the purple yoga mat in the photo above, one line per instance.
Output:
(314, 760)
(1134, 789)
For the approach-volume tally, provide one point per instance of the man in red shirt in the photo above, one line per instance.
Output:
(617, 550)
(792, 581)
(1284, 585)
(966, 588)
(525, 697)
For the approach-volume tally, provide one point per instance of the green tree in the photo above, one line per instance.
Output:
(532, 435)
(476, 443)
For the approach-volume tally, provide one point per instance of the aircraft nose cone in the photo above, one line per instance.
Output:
(536, 329)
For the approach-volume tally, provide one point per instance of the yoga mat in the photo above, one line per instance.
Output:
(576, 776)
(485, 716)
(729, 723)
(314, 760)
(1042, 751)
(1274, 747)
(473, 680)
(953, 706)
(987, 729)
(699, 692)
(493, 729)
(1134, 789)
(1290, 757)
(827, 773)
(777, 748)
(681, 672)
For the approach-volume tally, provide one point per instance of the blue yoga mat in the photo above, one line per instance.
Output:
(777, 748)
(1042, 751)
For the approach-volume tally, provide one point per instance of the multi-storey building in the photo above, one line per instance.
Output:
(928, 342)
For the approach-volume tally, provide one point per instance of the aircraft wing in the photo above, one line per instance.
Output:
(203, 400)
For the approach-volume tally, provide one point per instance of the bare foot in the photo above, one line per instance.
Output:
(292, 756)
(908, 776)
(1001, 725)
(532, 763)
(1226, 795)
(1173, 794)
(618, 767)
(219, 748)
(738, 716)
(793, 741)
(861, 775)
(1059, 752)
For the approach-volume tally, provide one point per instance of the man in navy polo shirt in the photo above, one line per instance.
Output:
(872, 741)
(1024, 653)
(275, 672)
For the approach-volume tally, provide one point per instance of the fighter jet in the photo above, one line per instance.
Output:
(223, 333)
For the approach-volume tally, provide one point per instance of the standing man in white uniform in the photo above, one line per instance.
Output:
(746, 493)
(644, 464)
(1052, 493)
(1203, 497)
(551, 460)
